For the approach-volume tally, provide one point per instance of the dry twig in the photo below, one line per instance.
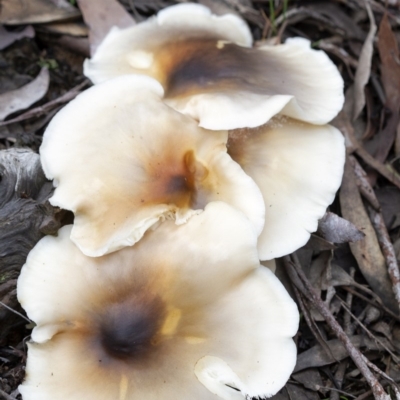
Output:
(311, 324)
(353, 145)
(348, 328)
(6, 396)
(378, 302)
(380, 228)
(38, 111)
(369, 333)
(387, 250)
(364, 185)
(15, 312)
(294, 270)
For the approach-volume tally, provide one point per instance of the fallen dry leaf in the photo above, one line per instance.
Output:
(67, 28)
(19, 12)
(317, 244)
(383, 328)
(343, 123)
(8, 37)
(397, 248)
(339, 52)
(22, 98)
(310, 379)
(340, 277)
(79, 45)
(320, 276)
(281, 395)
(390, 67)
(390, 75)
(299, 393)
(338, 18)
(367, 252)
(389, 199)
(317, 357)
(317, 271)
(101, 16)
(364, 66)
(338, 230)
(218, 7)
(364, 184)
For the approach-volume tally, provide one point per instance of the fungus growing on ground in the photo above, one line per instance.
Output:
(142, 323)
(298, 168)
(210, 71)
(122, 160)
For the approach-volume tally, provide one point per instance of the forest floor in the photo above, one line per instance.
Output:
(349, 336)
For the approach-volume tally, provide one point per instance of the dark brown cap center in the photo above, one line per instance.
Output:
(178, 182)
(129, 330)
(195, 66)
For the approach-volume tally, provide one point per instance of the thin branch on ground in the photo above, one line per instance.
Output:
(377, 303)
(369, 333)
(348, 327)
(38, 111)
(363, 185)
(380, 372)
(378, 223)
(294, 269)
(354, 145)
(6, 396)
(15, 312)
(311, 324)
(364, 395)
(391, 176)
(387, 250)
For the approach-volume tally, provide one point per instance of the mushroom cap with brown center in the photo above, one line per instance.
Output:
(145, 321)
(213, 74)
(122, 161)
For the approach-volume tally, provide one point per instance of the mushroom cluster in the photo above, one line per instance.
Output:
(193, 157)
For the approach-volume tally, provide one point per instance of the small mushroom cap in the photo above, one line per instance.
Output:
(290, 79)
(298, 168)
(218, 80)
(144, 329)
(122, 161)
(133, 50)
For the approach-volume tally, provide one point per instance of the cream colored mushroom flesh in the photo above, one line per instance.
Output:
(186, 313)
(123, 161)
(298, 168)
(209, 70)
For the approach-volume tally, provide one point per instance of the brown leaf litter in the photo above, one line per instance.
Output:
(345, 279)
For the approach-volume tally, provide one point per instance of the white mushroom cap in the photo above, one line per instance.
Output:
(122, 160)
(290, 79)
(209, 72)
(298, 168)
(133, 50)
(275, 353)
(143, 322)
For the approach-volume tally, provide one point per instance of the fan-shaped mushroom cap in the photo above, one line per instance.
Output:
(122, 160)
(209, 72)
(298, 168)
(143, 322)
(126, 51)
